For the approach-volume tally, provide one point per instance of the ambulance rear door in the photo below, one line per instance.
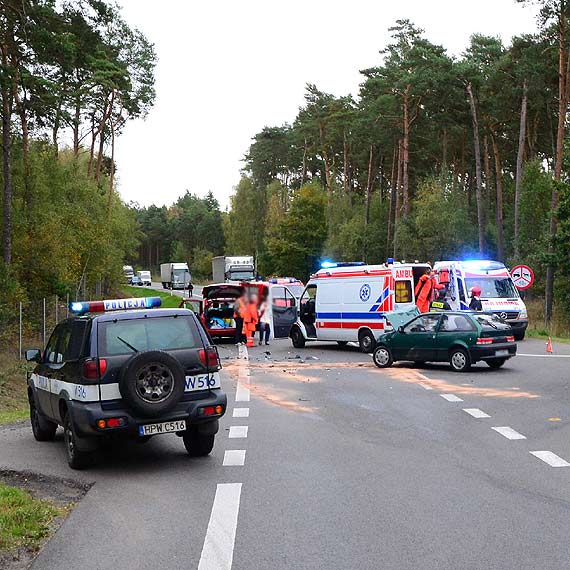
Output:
(403, 287)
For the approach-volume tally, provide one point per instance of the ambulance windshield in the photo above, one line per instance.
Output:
(492, 287)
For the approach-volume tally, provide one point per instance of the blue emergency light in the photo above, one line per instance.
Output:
(81, 307)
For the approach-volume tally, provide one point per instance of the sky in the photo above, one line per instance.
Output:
(227, 68)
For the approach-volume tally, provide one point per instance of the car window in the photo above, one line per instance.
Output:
(403, 291)
(50, 353)
(456, 323)
(489, 322)
(282, 298)
(423, 323)
(156, 333)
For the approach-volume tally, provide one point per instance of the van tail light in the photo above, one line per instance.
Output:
(484, 341)
(510, 339)
(209, 357)
(94, 368)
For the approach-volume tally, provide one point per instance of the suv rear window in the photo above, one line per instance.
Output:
(155, 333)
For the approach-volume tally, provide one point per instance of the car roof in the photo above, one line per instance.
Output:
(134, 314)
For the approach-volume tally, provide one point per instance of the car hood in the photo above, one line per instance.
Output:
(400, 318)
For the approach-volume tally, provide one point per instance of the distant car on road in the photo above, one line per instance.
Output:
(145, 277)
(460, 338)
(136, 281)
(125, 369)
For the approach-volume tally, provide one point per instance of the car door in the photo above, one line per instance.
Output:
(284, 309)
(453, 328)
(416, 341)
(43, 374)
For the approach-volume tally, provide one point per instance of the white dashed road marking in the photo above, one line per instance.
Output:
(238, 432)
(425, 386)
(242, 393)
(241, 413)
(234, 457)
(218, 549)
(551, 458)
(476, 413)
(509, 432)
(451, 397)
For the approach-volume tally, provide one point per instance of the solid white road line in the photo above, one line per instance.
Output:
(218, 549)
(451, 397)
(476, 413)
(545, 355)
(425, 386)
(233, 457)
(551, 458)
(509, 432)
(238, 432)
(242, 393)
(241, 413)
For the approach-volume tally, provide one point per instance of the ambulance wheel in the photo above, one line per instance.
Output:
(366, 341)
(382, 357)
(459, 360)
(297, 338)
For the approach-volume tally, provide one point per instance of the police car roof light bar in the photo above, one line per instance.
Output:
(82, 307)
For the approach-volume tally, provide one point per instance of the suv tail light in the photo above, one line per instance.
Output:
(92, 368)
(484, 341)
(209, 357)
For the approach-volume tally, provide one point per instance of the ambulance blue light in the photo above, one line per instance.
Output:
(328, 264)
(390, 261)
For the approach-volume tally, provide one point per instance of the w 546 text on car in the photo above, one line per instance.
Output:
(122, 368)
(460, 338)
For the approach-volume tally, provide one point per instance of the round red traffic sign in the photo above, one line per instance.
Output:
(523, 276)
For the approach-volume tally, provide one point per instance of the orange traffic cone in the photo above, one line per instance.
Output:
(549, 346)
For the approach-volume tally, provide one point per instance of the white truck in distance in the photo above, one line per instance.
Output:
(233, 268)
(175, 276)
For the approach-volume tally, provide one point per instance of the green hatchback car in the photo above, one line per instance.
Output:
(461, 338)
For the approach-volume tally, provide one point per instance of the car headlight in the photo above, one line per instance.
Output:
(523, 314)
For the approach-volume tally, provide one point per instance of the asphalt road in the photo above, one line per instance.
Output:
(344, 467)
(197, 292)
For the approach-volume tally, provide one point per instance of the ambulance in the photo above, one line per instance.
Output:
(352, 302)
(498, 292)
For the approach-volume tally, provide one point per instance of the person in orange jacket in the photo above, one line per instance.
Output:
(424, 290)
(250, 315)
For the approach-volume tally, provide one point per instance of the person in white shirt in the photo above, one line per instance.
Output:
(264, 322)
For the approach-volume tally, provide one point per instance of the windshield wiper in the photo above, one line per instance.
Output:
(127, 343)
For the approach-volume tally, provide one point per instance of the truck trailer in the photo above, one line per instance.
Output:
(233, 268)
(175, 276)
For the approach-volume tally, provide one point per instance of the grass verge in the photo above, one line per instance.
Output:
(24, 521)
(168, 301)
(13, 392)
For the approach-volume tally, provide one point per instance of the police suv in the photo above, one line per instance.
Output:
(124, 368)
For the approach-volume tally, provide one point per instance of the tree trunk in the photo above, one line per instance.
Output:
(520, 158)
(499, 204)
(345, 161)
(112, 174)
(6, 166)
(75, 128)
(562, 106)
(392, 199)
(92, 147)
(478, 183)
(444, 152)
(398, 185)
(406, 155)
(328, 184)
(367, 201)
(28, 193)
(304, 168)
(487, 180)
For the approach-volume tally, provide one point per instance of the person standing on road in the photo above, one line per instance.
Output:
(239, 309)
(264, 322)
(424, 289)
(475, 304)
(250, 317)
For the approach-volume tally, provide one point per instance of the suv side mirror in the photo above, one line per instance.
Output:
(401, 330)
(33, 355)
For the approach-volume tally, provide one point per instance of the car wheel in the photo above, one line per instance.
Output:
(496, 362)
(76, 458)
(366, 341)
(42, 428)
(519, 336)
(342, 342)
(297, 338)
(459, 360)
(152, 383)
(382, 357)
(198, 445)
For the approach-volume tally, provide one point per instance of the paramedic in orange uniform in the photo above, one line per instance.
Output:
(424, 289)
(250, 317)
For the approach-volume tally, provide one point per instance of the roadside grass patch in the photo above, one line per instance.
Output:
(168, 301)
(24, 521)
(13, 392)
